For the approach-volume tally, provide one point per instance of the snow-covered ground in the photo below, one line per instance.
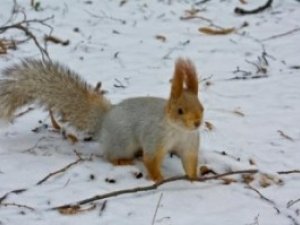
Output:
(254, 119)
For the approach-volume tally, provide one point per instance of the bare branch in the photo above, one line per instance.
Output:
(274, 205)
(17, 205)
(157, 185)
(282, 134)
(263, 197)
(292, 202)
(152, 187)
(282, 34)
(14, 11)
(24, 26)
(288, 172)
(201, 2)
(65, 168)
(18, 191)
(29, 109)
(103, 207)
(104, 16)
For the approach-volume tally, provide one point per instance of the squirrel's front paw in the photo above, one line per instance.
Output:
(193, 177)
(156, 177)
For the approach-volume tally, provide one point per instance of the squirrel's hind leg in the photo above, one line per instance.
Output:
(122, 158)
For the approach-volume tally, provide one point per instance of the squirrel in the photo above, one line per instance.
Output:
(153, 125)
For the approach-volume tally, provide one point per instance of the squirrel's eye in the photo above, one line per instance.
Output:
(180, 111)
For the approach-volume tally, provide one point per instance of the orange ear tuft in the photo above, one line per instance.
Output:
(178, 77)
(191, 78)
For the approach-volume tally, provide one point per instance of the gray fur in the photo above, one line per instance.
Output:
(146, 123)
(141, 123)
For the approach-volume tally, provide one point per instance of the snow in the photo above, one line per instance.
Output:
(118, 42)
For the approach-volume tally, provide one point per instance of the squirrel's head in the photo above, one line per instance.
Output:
(184, 109)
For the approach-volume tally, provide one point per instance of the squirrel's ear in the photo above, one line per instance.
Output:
(191, 79)
(177, 81)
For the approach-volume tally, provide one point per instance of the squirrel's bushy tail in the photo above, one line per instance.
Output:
(55, 87)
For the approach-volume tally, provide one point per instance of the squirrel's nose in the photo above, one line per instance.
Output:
(197, 123)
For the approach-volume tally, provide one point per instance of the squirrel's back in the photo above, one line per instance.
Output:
(54, 86)
(140, 110)
(129, 124)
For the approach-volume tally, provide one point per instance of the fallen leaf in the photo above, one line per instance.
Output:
(7, 44)
(265, 180)
(247, 178)
(56, 40)
(71, 210)
(211, 31)
(3, 49)
(228, 181)
(75, 209)
(206, 170)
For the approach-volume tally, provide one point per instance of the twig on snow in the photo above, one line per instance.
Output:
(292, 202)
(177, 47)
(29, 109)
(65, 168)
(201, 2)
(255, 221)
(119, 84)
(31, 149)
(152, 187)
(103, 207)
(24, 26)
(264, 198)
(156, 209)
(157, 185)
(288, 172)
(105, 16)
(189, 17)
(272, 203)
(261, 68)
(282, 34)
(282, 134)
(17, 205)
(242, 11)
(18, 191)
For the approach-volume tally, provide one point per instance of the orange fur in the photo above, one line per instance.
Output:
(185, 73)
(190, 162)
(191, 79)
(55, 125)
(122, 162)
(153, 163)
(184, 96)
(177, 82)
